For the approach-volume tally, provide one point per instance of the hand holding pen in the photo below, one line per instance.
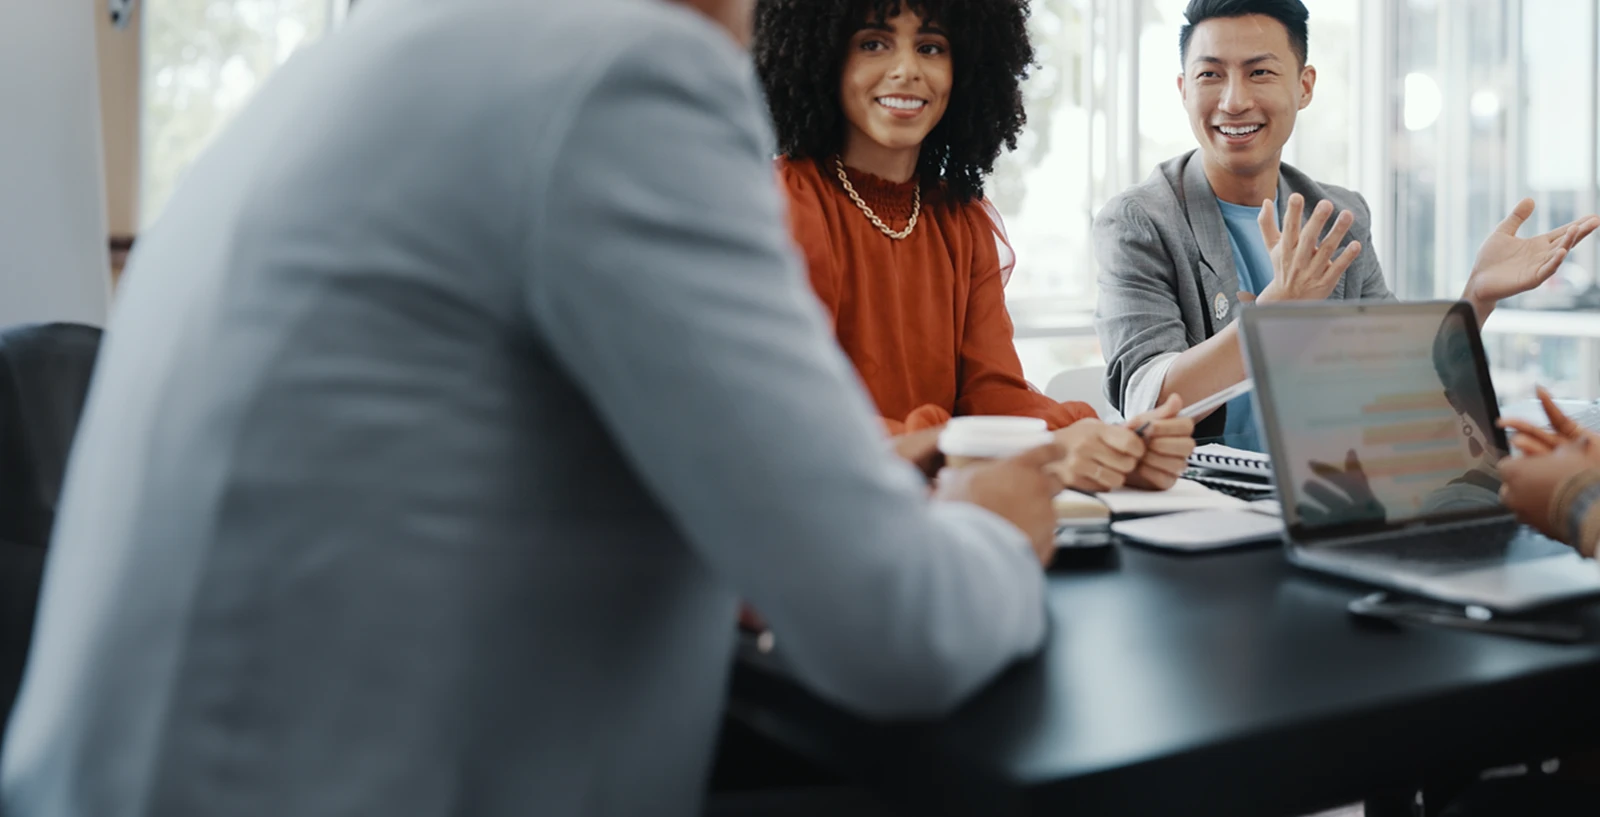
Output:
(1201, 408)
(1169, 439)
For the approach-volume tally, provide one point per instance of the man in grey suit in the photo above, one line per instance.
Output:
(462, 388)
(1179, 252)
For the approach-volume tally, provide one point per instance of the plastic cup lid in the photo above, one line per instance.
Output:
(991, 441)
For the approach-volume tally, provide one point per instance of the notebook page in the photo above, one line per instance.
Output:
(1187, 495)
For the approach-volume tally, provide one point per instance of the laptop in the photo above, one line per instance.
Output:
(1380, 419)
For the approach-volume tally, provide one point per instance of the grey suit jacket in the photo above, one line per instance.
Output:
(463, 386)
(1167, 278)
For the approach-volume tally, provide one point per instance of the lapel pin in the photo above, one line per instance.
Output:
(1219, 307)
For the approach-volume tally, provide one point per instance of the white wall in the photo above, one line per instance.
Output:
(53, 258)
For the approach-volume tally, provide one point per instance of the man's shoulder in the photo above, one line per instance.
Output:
(1155, 199)
(660, 67)
(533, 63)
(667, 31)
(1346, 199)
(1343, 198)
(600, 39)
(604, 20)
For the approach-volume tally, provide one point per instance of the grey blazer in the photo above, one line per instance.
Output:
(464, 385)
(1167, 278)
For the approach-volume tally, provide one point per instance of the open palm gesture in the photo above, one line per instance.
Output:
(1508, 265)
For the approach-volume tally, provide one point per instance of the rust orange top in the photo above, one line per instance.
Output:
(923, 319)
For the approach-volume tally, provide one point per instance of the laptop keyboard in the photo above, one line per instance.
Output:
(1588, 418)
(1459, 547)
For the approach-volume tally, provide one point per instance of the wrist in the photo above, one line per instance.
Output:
(1481, 307)
(1473, 294)
(1274, 293)
(1586, 536)
(1571, 502)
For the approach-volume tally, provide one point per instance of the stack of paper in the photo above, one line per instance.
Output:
(1202, 530)
(1187, 495)
(1081, 520)
(1192, 517)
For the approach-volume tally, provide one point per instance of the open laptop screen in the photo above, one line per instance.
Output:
(1376, 415)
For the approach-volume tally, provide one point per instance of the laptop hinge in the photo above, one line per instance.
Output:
(1505, 520)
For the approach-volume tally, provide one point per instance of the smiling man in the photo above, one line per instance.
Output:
(1179, 252)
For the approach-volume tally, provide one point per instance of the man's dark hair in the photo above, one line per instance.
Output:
(1292, 13)
(799, 52)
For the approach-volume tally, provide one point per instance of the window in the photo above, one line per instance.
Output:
(1495, 101)
(202, 60)
(1043, 188)
(1046, 189)
(1328, 130)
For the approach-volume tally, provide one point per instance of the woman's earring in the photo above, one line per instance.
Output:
(1474, 447)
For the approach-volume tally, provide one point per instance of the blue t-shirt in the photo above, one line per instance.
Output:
(1254, 265)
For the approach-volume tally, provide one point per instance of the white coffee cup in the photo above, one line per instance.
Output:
(967, 440)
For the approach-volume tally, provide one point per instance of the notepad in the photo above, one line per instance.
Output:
(1201, 530)
(1187, 495)
(1233, 460)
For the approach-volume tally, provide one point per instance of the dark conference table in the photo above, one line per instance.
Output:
(1219, 684)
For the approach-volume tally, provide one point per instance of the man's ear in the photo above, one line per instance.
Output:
(1308, 85)
(1182, 92)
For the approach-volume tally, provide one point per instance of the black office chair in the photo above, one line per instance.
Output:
(44, 377)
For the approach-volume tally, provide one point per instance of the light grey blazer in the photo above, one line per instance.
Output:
(1167, 278)
(462, 388)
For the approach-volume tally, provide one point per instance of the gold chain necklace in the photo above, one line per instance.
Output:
(916, 204)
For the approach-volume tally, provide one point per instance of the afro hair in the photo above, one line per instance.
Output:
(799, 51)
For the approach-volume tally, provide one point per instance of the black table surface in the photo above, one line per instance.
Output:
(1226, 683)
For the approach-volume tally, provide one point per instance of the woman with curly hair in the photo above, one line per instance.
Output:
(889, 115)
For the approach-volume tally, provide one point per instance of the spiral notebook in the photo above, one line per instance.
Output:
(1232, 460)
(1239, 485)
